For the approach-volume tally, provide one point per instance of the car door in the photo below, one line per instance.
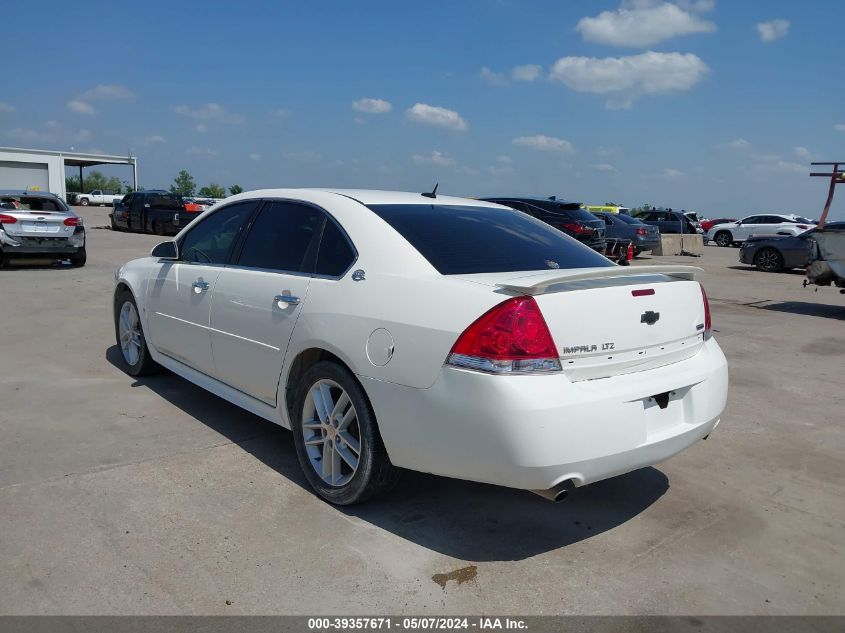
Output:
(179, 296)
(747, 227)
(135, 215)
(258, 299)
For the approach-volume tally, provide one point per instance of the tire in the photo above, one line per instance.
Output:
(340, 482)
(79, 258)
(157, 227)
(141, 363)
(115, 227)
(83, 202)
(4, 260)
(768, 260)
(723, 238)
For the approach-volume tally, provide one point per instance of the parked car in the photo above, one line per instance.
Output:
(39, 224)
(731, 233)
(98, 196)
(707, 224)
(452, 336)
(775, 253)
(569, 217)
(668, 222)
(643, 236)
(153, 211)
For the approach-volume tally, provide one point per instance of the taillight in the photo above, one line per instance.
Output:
(7, 219)
(708, 323)
(642, 231)
(72, 222)
(190, 207)
(576, 228)
(510, 338)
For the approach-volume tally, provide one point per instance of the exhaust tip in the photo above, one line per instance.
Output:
(557, 493)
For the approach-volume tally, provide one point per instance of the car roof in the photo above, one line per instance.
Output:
(371, 196)
(30, 194)
(534, 199)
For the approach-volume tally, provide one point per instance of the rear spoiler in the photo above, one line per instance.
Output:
(538, 283)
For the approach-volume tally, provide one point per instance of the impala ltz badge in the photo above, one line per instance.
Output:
(649, 318)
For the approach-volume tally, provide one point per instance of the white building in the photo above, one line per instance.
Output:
(44, 170)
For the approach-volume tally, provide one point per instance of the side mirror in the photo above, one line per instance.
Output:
(166, 250)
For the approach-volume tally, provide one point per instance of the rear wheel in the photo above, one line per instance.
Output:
(768, 260)
(79, 258)
(724, 238)
(158, 227)
(84, 202)
(130, 337)
(337, 439)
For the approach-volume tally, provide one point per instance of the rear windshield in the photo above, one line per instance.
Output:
(628, 219)
(577, 214)
(30, 203)
(460, 240)
(171, 201)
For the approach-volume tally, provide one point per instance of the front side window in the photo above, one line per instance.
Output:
(211, 240)
(466, 239)
(283, 238)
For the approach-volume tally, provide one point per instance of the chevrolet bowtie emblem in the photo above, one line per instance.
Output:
(649, 317)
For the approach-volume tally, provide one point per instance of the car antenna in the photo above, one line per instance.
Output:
(433, 193)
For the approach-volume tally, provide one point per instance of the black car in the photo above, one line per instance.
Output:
(154, 211)
(774, 253)
(621, 226)
(668, 221)
(569, 217)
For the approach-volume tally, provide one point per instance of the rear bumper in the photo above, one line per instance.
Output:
(533, 432)
(646, 243)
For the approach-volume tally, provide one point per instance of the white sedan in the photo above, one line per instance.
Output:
(445, 335)
(731, 233)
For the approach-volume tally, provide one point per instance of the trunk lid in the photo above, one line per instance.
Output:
(37, 224)
(612, 321)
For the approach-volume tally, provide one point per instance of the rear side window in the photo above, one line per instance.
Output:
(627, 219)
(336, 254)
(211, 240)
(283, 238)
(464, 240)
(166, 201)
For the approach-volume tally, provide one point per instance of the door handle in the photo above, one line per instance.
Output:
(288, 299)
(200, 285)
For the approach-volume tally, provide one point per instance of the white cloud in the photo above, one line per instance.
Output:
(527, 72)
(255, 156)
(434, 158)
(436, 116)
(155, 138)
(839, 127)
(305, 156)
(607, 167)
(80, 107)
(610, 151)
(647, 73)
(6, 107)
(372, 106)
(791, 167)
(544, 143)
(280, 113)
(210, 112)
(505, 160)
(197, 151)
(773, 29)
(202, 128)
(107, 92)
(82, 135)
(642, 24)
(25, 134)
(52, 124)
(500, 170)
(802, 152)
(493, 78)
(672, 173)
(739, 143)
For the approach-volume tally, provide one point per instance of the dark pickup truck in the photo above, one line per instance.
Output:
(159, 212)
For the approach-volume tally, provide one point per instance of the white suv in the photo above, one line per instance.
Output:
(772, 224)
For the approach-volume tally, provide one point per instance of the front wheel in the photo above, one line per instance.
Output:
(337, 439)
(130, 337)
(84, 202)
(723, 238)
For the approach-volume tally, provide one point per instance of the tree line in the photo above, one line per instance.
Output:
(184, 184)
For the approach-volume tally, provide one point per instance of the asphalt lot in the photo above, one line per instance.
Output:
(124, 496)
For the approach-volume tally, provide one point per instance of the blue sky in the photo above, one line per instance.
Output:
(714, 106)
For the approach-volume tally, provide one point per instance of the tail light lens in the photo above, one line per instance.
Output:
(642, 231)
(708, 322)
(7, 219)
(576, 228)
(73, 221)
(511, 338)
(190, 207)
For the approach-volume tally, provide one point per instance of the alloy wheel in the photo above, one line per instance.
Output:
(331, 433)
(768, 260)
(129, 328)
